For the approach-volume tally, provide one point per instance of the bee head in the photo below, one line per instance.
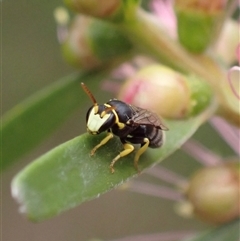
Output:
(99, 118)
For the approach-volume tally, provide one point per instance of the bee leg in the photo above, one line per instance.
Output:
(103, 142)
(128, 148)
(140, 152)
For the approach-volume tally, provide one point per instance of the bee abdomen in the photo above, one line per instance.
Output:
(156, 137)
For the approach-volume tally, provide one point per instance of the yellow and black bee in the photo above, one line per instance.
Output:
(133, 125)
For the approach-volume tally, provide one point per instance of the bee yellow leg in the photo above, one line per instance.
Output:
(103, 142)
(140, 152)
(128, 148)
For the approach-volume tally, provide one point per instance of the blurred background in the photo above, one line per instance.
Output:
(31, 60)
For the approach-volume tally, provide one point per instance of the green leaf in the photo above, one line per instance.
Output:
(67, 175)
(227, 232)
(31, 121)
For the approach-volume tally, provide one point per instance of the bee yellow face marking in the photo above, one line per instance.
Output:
(95, 121)
(95, 109)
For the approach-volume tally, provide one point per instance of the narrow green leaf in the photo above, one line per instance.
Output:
(227, 232)
(31, 121)
(67, 175)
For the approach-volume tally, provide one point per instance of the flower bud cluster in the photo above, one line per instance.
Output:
(91, 43)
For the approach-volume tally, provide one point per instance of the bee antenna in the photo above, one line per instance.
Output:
(88, 92)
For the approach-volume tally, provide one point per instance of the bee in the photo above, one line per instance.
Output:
(133, 125)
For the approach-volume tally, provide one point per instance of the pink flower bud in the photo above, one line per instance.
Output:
(214, 193)
(167, 92)
(76, 48)
(227, 45)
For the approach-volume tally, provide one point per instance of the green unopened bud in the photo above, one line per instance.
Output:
(167, 92)
(92, 43)
(113, 10)
(214, 193)
(197, 21)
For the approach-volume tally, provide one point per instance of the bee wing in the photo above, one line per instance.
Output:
(146, 117)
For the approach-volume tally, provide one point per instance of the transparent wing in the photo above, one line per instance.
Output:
(146, 117)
